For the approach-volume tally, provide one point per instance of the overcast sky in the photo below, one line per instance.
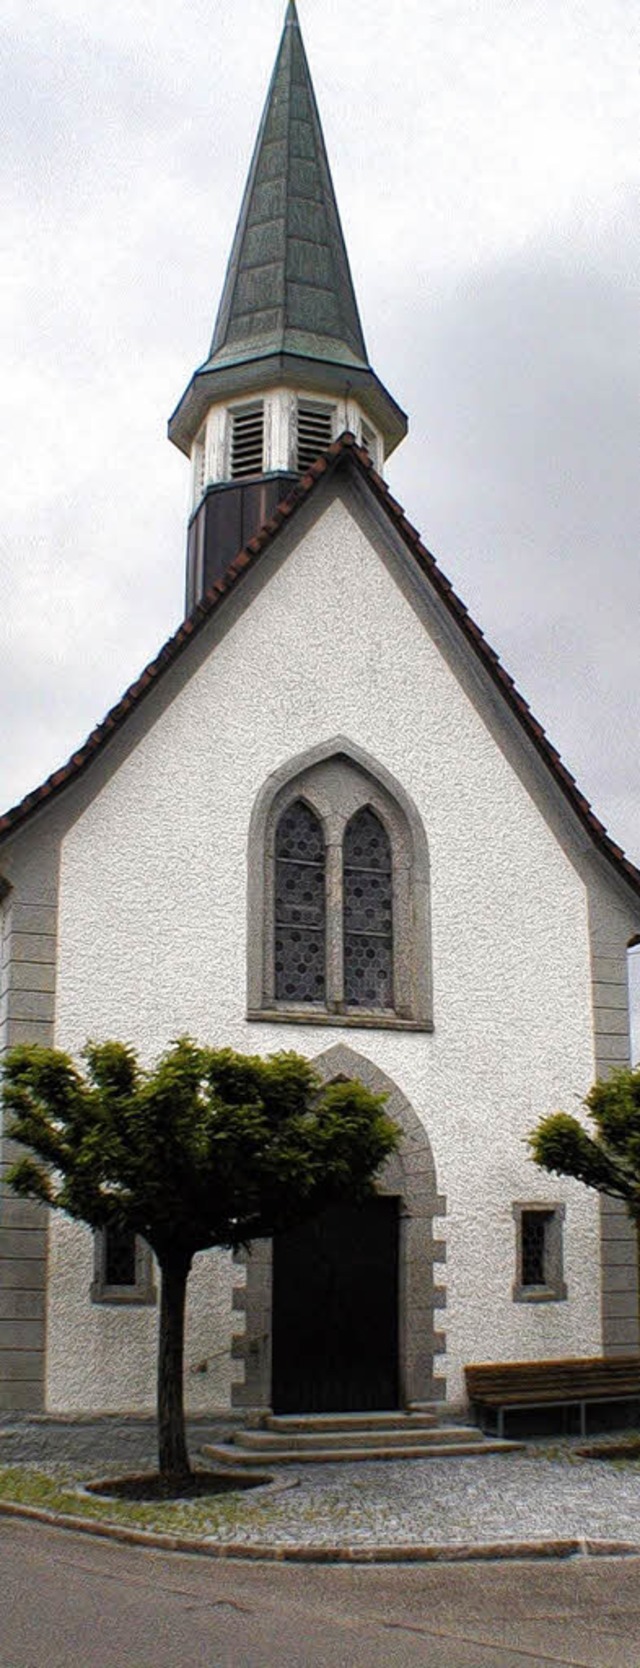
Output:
(485, 158)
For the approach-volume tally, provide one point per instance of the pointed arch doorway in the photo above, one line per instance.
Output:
(340, 1313)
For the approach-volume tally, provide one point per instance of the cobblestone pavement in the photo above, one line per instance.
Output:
(540, 1493)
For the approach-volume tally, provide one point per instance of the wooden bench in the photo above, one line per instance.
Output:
(500, 1387)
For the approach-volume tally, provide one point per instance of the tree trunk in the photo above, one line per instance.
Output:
(172, 1442)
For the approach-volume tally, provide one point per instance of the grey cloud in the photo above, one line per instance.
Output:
(529, 493)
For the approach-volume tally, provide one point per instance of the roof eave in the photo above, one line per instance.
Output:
(213, 384)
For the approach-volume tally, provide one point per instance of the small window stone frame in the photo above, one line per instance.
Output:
(553, 1289)
(336, 780)
(142, 1292)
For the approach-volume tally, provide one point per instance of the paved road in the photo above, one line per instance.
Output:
(68, 1601)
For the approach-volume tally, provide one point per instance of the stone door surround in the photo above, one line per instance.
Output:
(408, 1175)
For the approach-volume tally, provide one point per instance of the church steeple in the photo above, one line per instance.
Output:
(288, 286)
(287, 368)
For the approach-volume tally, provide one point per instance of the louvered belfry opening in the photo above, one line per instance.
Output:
(368, 913)
(247, 441)
(315, 432)
(300, 908)
(370, 443)
(288, 368)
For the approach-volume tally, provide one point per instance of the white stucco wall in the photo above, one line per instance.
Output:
(153, 941)
(103, 1355)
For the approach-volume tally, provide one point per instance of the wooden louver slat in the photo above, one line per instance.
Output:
(370, 442)
(247, 442)
(315, 432)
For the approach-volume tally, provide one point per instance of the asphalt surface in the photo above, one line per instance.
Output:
(71, 1602)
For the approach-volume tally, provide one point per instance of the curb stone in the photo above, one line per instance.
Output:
(446, 1553)
(264, 1484)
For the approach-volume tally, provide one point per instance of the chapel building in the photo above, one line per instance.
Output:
(322, 819)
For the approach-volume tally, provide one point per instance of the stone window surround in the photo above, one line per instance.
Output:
(337, 779)
(143, 1292)
(554, 1289)
(408, 1175)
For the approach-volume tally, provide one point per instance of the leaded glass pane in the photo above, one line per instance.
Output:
(368, 913)
(120, 1257)
(534, 1247)
(299, 907)
(299, 836)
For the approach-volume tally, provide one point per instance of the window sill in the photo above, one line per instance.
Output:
(124, 1295)
(364, 1019)
(540, 1294)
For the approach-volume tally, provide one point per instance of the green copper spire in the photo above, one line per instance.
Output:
(288, 315)
(288, 286)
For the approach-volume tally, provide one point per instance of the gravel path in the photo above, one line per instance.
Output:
(517, 1496)
(510, 1497)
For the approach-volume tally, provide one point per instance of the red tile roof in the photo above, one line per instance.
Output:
(344, 452)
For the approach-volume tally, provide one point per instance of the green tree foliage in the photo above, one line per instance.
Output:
(209, 1148)
(609, 1160)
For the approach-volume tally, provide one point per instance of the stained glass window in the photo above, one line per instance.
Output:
(300, 925)
(368, 918)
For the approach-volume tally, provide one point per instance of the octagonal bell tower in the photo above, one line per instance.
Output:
(287, 370)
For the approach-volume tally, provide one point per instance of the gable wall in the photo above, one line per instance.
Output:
(153, 929)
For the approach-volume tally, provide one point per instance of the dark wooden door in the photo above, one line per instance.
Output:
(335, 1311)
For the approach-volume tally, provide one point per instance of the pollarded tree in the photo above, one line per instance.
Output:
(608, 1161)
(210, 1148)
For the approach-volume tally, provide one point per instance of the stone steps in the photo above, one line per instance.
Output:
(423, 1419)
(304, 1442)
(325, 1439)
(235, 1457)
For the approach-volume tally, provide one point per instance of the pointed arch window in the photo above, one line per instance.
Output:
(338, 901)
(367, 892)
(300, 908)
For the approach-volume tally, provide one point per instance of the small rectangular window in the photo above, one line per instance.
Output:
(536, 1226)
(247, 441)
(539, 1271)
(123, 1268)
(120, 1257)
(315, 431)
